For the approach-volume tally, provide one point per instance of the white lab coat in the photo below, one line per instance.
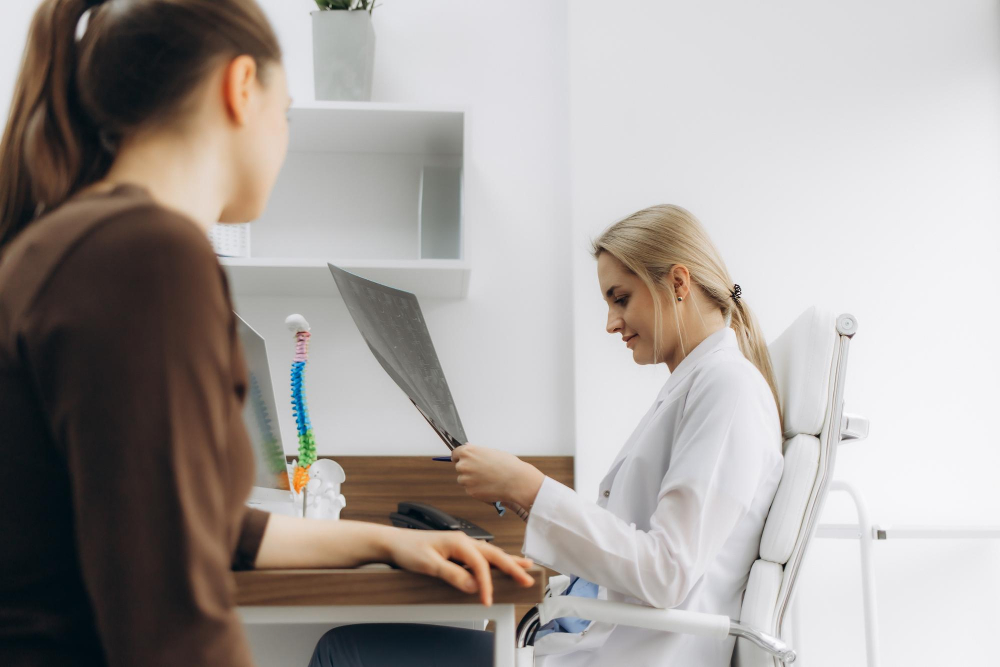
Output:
(678, 517)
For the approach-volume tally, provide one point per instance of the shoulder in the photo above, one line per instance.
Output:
(125, 233)
(140, 258)
(109, 247)
(729, 387)
(149, 235)
(143, 259)
(728, 374)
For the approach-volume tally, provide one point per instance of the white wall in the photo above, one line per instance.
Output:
(505, 349)
(842, 154)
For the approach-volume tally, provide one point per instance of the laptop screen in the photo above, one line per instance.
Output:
(260, 412)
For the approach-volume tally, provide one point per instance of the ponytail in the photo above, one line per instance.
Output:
(50, 148)
(751, 341)
(136, 65)
(652, 241)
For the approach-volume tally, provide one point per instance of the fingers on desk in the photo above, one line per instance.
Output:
(457, 576)
(468, 552)
(511, 565)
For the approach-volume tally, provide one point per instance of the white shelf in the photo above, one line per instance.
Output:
(264, 276)
(364, 127)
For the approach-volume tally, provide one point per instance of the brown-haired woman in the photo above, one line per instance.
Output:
(122, 380)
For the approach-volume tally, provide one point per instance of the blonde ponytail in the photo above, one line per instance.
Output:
(751, 341)
(652, 241)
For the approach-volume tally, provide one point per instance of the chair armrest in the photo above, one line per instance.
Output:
(668, 620)
(853, 427)
(772, 645)
(680, 621)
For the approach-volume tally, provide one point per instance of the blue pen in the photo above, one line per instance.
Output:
(442, 458)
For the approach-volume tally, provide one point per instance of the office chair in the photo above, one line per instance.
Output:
(810, 366)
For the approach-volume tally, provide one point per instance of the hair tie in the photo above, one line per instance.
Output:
(736, 293)
(93, 3)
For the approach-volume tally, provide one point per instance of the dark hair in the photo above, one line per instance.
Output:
(136, 66)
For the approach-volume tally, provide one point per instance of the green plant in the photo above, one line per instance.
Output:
(347, 5)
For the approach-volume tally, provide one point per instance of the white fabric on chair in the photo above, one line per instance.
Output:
(758, 607)
(784, 520)
(801, 358)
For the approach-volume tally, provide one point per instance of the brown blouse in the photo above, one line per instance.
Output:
(125, 464)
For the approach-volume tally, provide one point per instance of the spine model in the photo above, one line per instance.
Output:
(307, 443)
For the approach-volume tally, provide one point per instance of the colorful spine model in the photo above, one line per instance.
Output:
(307, 443)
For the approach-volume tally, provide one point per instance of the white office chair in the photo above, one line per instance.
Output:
(810, 365)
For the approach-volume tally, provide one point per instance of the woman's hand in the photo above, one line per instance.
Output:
(491, 475)
(432, 552)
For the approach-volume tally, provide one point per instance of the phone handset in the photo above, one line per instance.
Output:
(426, 517)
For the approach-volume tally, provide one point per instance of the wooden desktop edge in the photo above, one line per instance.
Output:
(379, 585)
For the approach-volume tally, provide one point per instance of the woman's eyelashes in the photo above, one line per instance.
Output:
(622, 301)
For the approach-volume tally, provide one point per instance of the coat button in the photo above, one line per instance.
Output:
(607, 493)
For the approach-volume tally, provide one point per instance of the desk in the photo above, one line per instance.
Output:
(380, 594)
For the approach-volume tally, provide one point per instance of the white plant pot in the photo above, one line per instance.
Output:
(343, 55)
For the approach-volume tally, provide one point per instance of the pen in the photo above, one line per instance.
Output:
(442, 458)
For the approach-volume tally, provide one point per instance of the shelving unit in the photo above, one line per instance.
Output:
(373, 188)
(367, 127)
(427, 278)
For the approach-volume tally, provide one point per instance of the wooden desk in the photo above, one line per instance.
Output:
(380, 594)
(375, 484)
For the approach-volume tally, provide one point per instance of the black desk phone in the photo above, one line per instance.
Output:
(425, 517)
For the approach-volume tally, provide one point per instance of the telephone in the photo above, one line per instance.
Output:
(425, 517)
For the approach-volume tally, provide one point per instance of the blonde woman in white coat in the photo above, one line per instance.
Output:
(678, 518)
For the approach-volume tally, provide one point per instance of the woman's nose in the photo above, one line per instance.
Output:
(614, 323)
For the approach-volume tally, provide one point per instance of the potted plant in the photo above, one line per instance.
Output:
(343, 49)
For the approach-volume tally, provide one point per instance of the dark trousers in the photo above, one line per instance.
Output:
(403, 645)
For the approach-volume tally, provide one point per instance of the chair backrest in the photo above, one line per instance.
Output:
(810, 363)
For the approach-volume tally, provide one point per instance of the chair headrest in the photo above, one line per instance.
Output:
(802, 358)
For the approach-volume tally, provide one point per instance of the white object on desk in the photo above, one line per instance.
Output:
(230, 239)
(324, 499)
(322, 496)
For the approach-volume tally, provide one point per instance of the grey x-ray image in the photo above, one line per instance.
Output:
(393, 326)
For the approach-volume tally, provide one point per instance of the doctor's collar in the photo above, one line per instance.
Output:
(721, 339)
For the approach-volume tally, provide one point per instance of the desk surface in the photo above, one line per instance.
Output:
(371, 585)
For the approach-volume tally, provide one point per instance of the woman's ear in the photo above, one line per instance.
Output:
(680, 281)
(238, 81)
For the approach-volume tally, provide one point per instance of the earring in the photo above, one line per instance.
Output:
(680, 298)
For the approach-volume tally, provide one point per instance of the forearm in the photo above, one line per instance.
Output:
(291, 542)
(524, 488)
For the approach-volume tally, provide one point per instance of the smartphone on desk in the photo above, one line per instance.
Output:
(425, 517)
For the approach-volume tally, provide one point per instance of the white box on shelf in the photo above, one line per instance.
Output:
(230, 239)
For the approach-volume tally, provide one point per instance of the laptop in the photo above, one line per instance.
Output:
(271, 489)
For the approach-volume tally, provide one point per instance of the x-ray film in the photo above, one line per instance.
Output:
(393, 326)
